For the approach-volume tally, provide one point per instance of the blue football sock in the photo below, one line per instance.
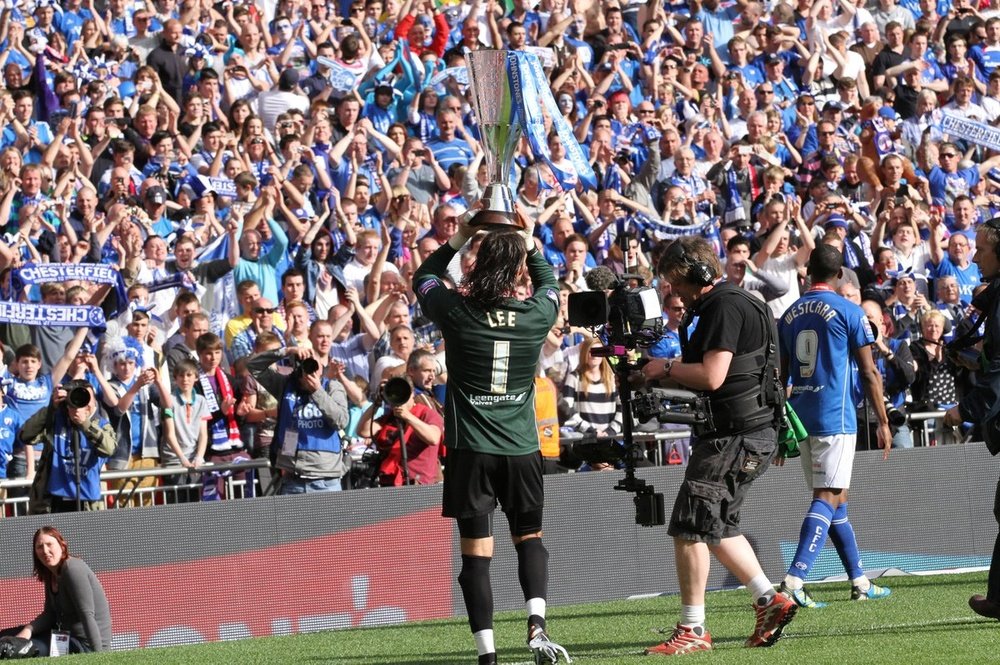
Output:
(842, 535)
(812, 537)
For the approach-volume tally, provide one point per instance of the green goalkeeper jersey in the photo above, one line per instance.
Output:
(492, 356)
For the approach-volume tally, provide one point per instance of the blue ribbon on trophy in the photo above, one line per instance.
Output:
(511, 96)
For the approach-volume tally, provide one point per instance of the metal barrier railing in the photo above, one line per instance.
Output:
(131, 494)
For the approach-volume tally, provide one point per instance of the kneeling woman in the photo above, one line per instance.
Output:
(74, 599)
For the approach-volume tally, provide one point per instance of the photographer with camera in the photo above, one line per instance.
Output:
(898, 371)
(732, 356)
(312, 409)
(76, 444)
(403, 420)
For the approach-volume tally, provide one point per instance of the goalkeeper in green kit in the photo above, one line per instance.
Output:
(492, 344)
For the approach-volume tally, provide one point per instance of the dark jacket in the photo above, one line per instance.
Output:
(169, 64)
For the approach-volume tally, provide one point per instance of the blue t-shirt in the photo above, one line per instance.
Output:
(28, 397)
(946, 187)
(10, 425)
(968, 277)
(819, 334)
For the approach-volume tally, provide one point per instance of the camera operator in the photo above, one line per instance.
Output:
(419, 426)
(980, 405)
(312, 409)
(75, 446)
(732, 355)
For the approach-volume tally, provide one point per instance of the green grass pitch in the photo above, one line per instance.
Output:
(926, 620)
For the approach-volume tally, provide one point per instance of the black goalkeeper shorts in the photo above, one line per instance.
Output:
(475, 482)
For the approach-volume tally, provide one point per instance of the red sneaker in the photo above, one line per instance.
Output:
(685, 640)
(771, 620)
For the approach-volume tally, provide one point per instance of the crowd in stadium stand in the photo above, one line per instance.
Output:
(253, 168)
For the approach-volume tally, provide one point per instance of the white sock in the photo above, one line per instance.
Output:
(692, 615)
(536, 606)
(862, 582)
(484, 642)
(761, 587)
(793, 583)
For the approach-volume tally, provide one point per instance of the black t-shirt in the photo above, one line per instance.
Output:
(906, 101)
(727, 321)
(886, 59)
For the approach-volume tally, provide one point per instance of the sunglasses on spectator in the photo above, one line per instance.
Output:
(764, 91)
(265, 310)
(949, 155)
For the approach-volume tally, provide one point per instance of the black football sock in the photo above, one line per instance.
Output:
(533, 574)
(477, 592)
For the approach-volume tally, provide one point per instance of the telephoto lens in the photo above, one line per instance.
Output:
(397, 391)
(79, 397)
(310, 366)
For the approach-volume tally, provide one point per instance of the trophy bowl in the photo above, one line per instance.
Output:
(500, 132)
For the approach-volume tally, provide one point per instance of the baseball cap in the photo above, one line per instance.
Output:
(888, 113)
(156, 195)
(288, 80)
(901, 275)
(772, 58)
(833, 106)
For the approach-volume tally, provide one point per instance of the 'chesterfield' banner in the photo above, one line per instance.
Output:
(42, 273)
(970, 130)
(33, 314)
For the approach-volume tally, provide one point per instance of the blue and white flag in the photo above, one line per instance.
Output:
(223, 187)
(221, 295)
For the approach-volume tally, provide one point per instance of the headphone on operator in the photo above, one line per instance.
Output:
(695, 271)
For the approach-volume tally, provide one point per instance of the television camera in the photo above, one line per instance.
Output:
(627, 315)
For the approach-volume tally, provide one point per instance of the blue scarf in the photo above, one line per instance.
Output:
(735, 213)
(33, 314)
(32, 274)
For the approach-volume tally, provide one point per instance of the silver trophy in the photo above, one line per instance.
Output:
(494, 105)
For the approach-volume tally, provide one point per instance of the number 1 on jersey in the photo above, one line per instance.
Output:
(501, 361)
(806, 348)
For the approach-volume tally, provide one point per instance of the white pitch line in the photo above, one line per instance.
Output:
(896, 626)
